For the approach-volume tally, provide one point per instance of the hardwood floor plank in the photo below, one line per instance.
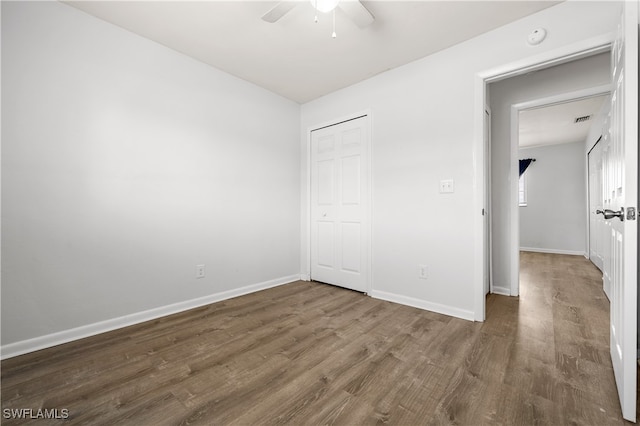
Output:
(427, 383)
(333, 408)
(466, 401)
(521, 408)
(309, 353)
(313, 367)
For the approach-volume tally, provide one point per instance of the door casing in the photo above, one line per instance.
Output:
(558, 56)
(515, 211)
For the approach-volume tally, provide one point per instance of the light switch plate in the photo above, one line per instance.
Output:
(199, 271)
(446, 186)
(422, 272)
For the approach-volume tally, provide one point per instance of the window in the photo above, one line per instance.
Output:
(522, 191)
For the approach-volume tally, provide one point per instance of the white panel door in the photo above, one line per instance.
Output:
(339, 188)
(596, 221)
(620, 158)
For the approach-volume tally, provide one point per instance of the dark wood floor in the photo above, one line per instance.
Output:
(308, 353)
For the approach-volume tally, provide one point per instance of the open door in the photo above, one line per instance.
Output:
(620, 166)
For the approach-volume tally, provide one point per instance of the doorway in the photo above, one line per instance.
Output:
(510, 98)
(555, 138)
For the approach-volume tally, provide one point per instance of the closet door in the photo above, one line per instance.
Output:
(339, 188)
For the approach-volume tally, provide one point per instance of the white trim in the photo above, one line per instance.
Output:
(553, 144)
(561, 55)
(514, 205)
(566, 53)
(504, 291)
(554, 251)
(42, 342)
(368, 268)
(479, 197)
(423, 304)
(487, 204)
(560, 98)
(587, 177)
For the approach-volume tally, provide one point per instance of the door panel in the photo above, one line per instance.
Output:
(620, 160)
(351, 180)
(325, 182)
(339, 189)
(326, 243)
(352, 138)
(351, 247)
(325, 144)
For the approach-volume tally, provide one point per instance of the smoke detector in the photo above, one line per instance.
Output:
(536, 36)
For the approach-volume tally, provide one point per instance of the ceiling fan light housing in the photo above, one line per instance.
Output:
(324, 6)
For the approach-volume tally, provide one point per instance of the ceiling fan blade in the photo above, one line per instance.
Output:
(279, 11)
(358, 13)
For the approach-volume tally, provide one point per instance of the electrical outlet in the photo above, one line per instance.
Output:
(422, 272)
(446, 186)
(199, 271)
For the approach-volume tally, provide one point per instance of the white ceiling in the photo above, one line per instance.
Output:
(295, 57)
(555, 124)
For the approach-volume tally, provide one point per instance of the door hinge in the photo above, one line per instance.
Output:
(482, 212)
(631, 213)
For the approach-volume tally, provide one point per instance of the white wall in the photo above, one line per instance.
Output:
(554, 219)
(124, 165)
(422, 132)
(569, 77)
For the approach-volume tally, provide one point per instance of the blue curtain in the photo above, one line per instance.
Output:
(524, 164)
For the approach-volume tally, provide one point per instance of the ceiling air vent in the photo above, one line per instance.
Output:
(582, 119)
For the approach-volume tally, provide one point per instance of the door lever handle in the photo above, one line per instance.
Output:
(610, 214)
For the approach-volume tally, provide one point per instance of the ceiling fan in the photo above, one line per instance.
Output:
(354, 9)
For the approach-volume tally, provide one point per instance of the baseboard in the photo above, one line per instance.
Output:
(554, 251)
(58, 338)
(422, 304)
(504, 291)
